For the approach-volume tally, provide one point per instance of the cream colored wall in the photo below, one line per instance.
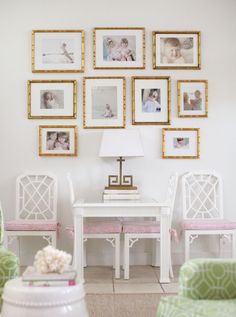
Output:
(19, 136)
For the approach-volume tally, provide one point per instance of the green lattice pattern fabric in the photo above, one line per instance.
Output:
(178, 306)
(9, 267)
(208, 279)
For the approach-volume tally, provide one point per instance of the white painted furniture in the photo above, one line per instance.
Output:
(137, 208)
(135, 230)
(36, 209)
(203, 209)
(25, 301)
(108, 230)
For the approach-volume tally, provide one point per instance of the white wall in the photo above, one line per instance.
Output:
(19, 136)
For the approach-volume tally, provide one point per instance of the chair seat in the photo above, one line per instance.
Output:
(20, 225)
(141, 227)
(99, 227)
(220, 224)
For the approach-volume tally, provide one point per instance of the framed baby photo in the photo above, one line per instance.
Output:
(119, 48)
(192, 98)
(176, 50)
(57, 51)
(104, 102)
(52, 99)
(150, 100)
(181, 143)
(58, 140)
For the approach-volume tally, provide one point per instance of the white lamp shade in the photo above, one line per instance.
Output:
(117, 143)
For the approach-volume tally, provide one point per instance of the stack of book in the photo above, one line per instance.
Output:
(32, 278)
(121, 194)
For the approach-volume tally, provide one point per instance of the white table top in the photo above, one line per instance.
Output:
(143, 202)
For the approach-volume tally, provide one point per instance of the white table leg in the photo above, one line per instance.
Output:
(79, 246)
(165, 245)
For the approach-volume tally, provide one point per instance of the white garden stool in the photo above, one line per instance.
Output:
(26, 301)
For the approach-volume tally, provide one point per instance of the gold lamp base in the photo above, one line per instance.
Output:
(120, 182)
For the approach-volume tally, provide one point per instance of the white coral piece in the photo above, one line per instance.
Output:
(51, 260)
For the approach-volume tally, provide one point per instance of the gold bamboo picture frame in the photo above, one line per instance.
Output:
(180, 143)
(52, 99)
(58, 140)
(151, 100)
(57, 51)
(119, 48)
(192, 98)
(104, 102)
(176, 50)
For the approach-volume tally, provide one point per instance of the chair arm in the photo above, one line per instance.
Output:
(208, 279)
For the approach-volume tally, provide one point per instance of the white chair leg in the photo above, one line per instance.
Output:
(126, 257)
(221, 241)
(187, 245)
(234, 244)
(155, 254)
(85, 255)
(117, 256)
(5, 242)
(171, 268)
(54, 239)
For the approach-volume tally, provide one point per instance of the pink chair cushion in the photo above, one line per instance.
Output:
(20, 225)
(213, 224)
(98, 227)
(141, 227)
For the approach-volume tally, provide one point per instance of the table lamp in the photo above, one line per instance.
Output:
(121, 143)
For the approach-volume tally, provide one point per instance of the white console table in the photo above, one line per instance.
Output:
(132, 208)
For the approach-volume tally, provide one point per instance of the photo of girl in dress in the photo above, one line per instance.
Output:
(51, 99)
(104, 102)
(119, 48)
(58, 51)
(151, 100)
(58, 141)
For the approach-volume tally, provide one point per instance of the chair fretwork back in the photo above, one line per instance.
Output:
(171, 191)
(36, 197)
(202, 196)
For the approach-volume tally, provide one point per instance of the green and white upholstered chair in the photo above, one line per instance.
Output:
(207, 288)
(9, 262)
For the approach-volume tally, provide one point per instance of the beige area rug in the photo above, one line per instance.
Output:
(122, 305)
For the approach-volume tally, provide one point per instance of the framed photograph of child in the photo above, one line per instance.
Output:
(57, 140)
(181, 143)
(119, 48)
(150, 100)
(104, 102)
(55, 51)
(192, 98)
(176, 50)
(52, 99)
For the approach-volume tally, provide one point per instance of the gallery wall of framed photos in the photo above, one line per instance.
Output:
(104, 97)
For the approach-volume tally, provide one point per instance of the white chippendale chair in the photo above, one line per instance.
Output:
(108, 230)
(135, 230)
(203, 209)
(36, 209)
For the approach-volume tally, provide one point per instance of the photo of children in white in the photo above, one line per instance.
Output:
(118, 48)
(57, 51)
(151, 100)
(58, 141)
(176, 50)
(181, 143)
(192, 101)
(51, 99)
(104, 102)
